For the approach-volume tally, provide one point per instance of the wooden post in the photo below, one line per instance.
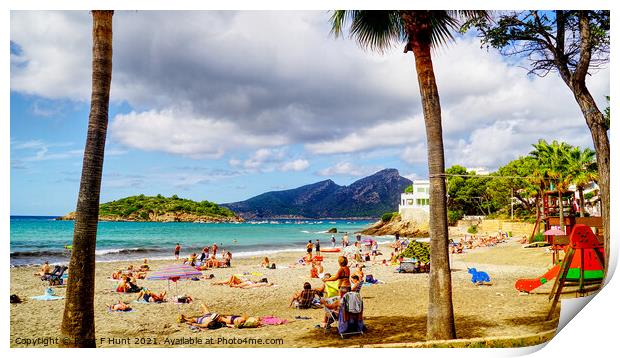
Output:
(556, 291)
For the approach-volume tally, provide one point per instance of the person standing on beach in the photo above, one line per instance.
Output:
(205, 254)
(333, 241)
(214, 249)
(317, 247)
(309, 247)
(345, 239)
(177, 251)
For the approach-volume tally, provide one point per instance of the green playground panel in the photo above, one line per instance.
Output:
(573, 274)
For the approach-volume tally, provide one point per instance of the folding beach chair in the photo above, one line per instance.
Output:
(350, 315)
(55, 277)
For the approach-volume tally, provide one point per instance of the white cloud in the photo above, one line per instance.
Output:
(180, 132)
(348, 169)
(326, 94)
(295, 165)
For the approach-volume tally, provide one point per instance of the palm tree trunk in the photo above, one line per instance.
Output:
(440, 320)
(78, 322)
(581, 202)
(561, 206)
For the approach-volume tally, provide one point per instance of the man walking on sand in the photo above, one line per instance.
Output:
(177, 251)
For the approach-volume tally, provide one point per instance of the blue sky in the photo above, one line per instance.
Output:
(223, 106)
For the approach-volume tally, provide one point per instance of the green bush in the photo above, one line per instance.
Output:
(409, 189)
(454, 216)
(473, 229)
(387, 217)
(539, 237)
(418, 250)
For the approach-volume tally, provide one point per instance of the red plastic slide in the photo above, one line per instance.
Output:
(527, 285)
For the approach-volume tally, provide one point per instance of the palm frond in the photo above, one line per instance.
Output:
(377, 30)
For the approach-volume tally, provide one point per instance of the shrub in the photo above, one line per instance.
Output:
(539, 237)
(387, 217)
(419, 250)
(473, 229)
(409, 189)
(454, 216)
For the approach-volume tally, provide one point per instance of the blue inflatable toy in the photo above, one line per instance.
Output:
(478, 277)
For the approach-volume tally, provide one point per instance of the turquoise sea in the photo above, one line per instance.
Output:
(35, 239)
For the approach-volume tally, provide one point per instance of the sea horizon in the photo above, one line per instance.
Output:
(38, 238)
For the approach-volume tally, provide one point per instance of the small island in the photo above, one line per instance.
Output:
(162, 209)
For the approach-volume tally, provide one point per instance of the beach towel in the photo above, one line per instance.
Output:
(272, 321)
(48, 296)
(331, 288)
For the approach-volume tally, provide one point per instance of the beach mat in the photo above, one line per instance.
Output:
(47, 298)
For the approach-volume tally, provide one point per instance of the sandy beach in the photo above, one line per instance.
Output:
(395, 311)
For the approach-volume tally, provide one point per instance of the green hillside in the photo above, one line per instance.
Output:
(142, 206)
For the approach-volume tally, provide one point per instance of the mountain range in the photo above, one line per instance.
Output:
(368, 197)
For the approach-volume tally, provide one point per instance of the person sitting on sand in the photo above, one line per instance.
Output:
(359, 272)
(356, 283)
(119, 306)
(314, 273)
(145, 266)
(333, 305)
(149, 296)
(122, 284)
(117, 275)
(320, 291)
(191, 260)
(45, 270)
(184, 299)
(303, 299)
(319, 268)
(265, 262)
(227, 258)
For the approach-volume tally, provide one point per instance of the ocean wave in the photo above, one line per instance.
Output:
(122, 251)
(24, 254)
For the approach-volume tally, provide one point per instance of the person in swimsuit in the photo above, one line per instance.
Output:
(343, 273)
(177, 251)
(45, 270)
(149, 296)
(317, 247)
(119, 306)
(309, 247)
(214, 249)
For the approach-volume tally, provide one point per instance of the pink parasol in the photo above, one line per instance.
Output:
(554, 232)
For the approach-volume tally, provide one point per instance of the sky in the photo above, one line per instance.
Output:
(223, 106)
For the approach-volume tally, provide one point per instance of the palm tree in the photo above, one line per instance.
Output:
(582, 170)
(78, 321)
(553, 162)
(420, 31)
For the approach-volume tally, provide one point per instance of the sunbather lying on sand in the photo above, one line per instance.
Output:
(243, 282)
(214, 320)
(119, 306)
(149, 296)
(184, 299)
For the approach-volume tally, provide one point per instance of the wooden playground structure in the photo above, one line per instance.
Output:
(549, 217)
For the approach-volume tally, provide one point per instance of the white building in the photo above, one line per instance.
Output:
(417, 199)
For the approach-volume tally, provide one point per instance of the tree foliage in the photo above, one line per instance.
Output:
(141, 206)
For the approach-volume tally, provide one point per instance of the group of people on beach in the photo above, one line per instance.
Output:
(208, 257)
(344, 281)
(471, 242)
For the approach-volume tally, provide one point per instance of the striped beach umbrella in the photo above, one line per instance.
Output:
(174, 273)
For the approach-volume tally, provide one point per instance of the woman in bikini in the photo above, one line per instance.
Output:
(343, 274)
(119, 306)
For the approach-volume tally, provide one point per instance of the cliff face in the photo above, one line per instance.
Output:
(368, 197)
(405, 228)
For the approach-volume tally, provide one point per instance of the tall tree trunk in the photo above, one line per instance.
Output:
(581, 202)
(561, 206)
(78, 322)
(596, 123)
(440, 320)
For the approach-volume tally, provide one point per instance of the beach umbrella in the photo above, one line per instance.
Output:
(174, 273)
(554, 232)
